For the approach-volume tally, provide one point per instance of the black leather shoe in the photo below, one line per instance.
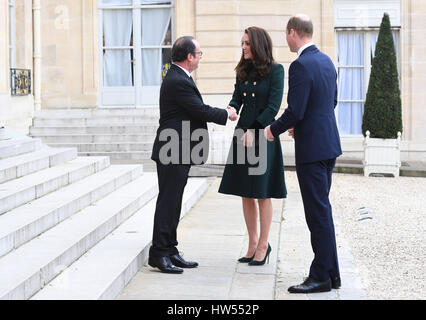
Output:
(164, 264)
(177, 260)
(336, 283)
(311, 286)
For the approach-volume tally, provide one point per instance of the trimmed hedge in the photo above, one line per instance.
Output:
(382, 109)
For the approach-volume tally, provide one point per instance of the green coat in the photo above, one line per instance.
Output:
(261, 101)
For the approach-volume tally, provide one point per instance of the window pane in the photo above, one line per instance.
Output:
(166, 61)
(350, 81)
(351, 49)
(351, 84)
(155, 63)
(155, 24)
(168, 37)
(118, 26)
(350, 117)
(118, 70)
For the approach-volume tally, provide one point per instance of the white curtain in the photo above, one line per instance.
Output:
(155, 23)
(117, 26)
(350, 82)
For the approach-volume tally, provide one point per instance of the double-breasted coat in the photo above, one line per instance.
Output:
(257, 102)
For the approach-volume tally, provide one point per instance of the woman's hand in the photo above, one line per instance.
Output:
(248, 138)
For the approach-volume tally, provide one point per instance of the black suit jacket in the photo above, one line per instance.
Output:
(311, 98)
(182, 112)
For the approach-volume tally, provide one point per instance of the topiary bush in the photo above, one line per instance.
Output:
(382, 109)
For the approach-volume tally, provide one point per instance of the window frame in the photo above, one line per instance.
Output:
(139, 92)
(366, 63)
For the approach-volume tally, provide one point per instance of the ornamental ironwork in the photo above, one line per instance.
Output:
(20, 82)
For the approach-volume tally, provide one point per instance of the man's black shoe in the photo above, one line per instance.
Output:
(336, 283)
(177, 260)
(311, 286)
(164, 264)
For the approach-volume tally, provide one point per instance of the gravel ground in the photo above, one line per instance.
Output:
(387, 236)
(384, 221)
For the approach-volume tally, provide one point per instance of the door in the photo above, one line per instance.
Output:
(135, 50)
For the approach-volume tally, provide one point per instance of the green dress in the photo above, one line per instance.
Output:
(261, 100)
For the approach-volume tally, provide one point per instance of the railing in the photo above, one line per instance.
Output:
(20, 82)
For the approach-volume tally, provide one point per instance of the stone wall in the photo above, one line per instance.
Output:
(69, 54)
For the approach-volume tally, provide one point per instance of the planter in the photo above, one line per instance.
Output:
(382, 155)
(2, 133)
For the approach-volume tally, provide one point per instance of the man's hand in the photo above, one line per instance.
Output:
(268, 134)
(232, 113)
(248, 138)
(291, 132)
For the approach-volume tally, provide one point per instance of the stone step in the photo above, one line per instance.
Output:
(14, 147)
(108, 267)
(33, 186)
(131, 155)
(150, 111)
(96, 138)
(86, 121)
(21, 165)
(150, 128)
(106, 147)
(26, 270)
(32, 219)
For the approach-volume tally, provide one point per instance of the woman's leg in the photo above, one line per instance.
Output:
(265, 213)
(250, 216)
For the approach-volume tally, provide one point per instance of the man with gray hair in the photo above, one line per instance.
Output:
(182, 140)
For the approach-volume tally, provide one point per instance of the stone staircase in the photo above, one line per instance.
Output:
(124, 135)
(73, 227)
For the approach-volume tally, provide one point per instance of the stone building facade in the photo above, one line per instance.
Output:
(66, 45)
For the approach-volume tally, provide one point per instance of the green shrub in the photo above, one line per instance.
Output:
(382, 109)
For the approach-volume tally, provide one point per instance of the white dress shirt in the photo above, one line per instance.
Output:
(303, 48)
(189, 75)
(186, 71)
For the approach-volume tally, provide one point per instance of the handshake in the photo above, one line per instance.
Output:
(232, 113)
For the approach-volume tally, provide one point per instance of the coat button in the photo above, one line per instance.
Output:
(254, 83)
(244, 94)
(246, 82)
(253, 95)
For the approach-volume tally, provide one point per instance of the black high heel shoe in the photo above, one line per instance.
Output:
(261, 263)
(245, 260)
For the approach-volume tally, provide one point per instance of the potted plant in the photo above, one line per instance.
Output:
(382, 119)
(2, 132)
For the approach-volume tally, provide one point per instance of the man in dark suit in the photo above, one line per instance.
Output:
(310, 119)
(182, 140)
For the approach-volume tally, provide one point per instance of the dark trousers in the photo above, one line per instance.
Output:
(172, 179)
(315, 183)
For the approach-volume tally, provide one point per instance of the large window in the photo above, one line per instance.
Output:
(136, 32)
(135, 50)
(355, 51)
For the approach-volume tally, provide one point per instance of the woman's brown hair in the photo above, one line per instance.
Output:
(261, 50)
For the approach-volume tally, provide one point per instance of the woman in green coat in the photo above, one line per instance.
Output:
(258, 91)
